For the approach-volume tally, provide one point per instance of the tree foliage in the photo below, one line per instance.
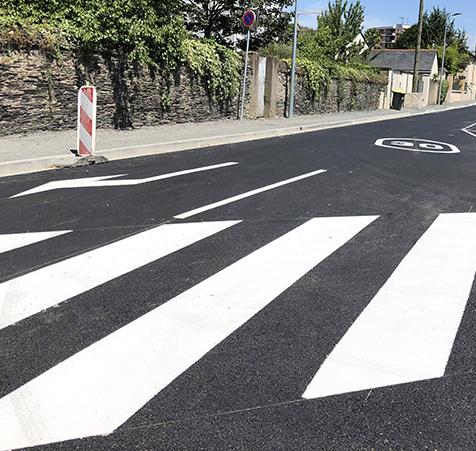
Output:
(147, 32)
(433, 37)
(220, 19)
(373, 39)
(433, 32)
(140, 28)
(337, 29)
(332, 51)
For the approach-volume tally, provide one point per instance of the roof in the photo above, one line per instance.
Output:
(402, 60)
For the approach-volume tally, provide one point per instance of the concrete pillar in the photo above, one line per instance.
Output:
(271, 88)
(253, 86)
(450, 79)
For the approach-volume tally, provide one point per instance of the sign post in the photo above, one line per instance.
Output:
(86, 121)
(249, 18)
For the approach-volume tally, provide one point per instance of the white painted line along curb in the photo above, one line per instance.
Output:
(93, 182)
(30, 294)
(98, 389)
(12, 241)
(407, 331)
(230, 200)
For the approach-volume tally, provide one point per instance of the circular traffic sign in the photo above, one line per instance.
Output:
(249, 18)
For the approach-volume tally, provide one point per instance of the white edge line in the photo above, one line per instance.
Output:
(454, 149)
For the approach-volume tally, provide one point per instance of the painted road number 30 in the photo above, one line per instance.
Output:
(417, 145)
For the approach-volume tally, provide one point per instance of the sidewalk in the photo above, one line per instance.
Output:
(39, 151)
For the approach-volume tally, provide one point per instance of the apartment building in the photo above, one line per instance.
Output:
(389, 35)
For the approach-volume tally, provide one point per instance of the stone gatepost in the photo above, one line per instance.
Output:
(271, 88)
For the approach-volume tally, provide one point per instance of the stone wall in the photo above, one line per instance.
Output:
(339, 95)
(37, 93)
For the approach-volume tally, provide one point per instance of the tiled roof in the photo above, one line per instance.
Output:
(402, 60)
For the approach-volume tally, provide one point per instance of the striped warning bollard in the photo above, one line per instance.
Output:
(86, 121)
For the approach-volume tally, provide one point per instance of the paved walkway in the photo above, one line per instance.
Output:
(41, 150)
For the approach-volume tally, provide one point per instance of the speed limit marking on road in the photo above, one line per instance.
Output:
(417, 145)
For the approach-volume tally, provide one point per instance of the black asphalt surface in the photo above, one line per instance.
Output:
(246, 392)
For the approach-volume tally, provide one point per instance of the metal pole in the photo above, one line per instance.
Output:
(440, 90)
(245, 73)
(293, 64)
(416, 66)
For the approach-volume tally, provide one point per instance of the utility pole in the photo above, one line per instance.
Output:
(416, 67)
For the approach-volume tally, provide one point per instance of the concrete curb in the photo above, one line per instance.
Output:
(120, 153)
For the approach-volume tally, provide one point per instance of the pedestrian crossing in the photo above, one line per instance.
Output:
(407, 331)
(11, 241)
(38, 290)
(94, 391)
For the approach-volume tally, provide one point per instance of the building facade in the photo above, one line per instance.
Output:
(389, 35)
(399, 66)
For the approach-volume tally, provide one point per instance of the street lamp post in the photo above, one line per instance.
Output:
(416, 66)
(293, 64)
(440, 90)
(292, 86)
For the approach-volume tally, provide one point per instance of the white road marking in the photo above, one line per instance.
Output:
(91, 182)
(30, 294)
(229, 200)
(98, 389)
(12, 241)
(417, 145)
(407, 331)
(469, 130)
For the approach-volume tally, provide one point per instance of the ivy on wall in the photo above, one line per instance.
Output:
(319, 74)
(130, 29)
(217, 65)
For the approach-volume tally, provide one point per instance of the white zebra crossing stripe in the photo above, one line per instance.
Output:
(407, 331)
(13, 241)
(96, 390)
(30, 294)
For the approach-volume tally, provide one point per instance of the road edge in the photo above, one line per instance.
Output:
(18, 167)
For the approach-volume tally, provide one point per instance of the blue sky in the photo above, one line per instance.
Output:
(389, 12)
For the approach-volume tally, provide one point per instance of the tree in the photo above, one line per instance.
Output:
(337, 30)
(433, 37)
(220, 19)
(455, 59)
(145, 30)
(373, 38)
(433, 32)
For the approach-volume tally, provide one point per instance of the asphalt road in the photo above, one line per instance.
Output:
(334, 311)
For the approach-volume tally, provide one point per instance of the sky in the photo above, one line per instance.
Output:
(390, 12)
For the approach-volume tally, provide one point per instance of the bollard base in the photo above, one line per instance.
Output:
(84, 161)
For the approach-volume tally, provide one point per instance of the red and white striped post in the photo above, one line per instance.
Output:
(86, 121)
